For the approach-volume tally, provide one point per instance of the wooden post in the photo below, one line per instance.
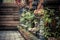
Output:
(30, 4)
(40, 6)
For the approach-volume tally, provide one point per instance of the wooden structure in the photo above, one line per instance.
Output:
(8, 16)
(26, 34)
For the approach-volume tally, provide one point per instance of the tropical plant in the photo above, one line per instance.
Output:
(26, 19)
(43, 22)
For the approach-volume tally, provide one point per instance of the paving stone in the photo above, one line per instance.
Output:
(10, 35)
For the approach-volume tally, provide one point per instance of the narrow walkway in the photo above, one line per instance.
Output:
(10, 35)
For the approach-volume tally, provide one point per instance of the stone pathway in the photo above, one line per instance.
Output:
(10, 35)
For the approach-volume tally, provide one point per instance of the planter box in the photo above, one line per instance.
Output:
(27, 35)
(52, 38)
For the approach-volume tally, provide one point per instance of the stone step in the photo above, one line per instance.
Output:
(9, 5)
(6, 13)
(7, 8)
(9, 16)
(9, 19)
(10, 11)
(9, 22)
(5, 27)
(8, 25)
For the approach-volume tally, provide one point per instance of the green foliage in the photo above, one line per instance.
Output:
(48, 17)
(48, 13)
(28, 18)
